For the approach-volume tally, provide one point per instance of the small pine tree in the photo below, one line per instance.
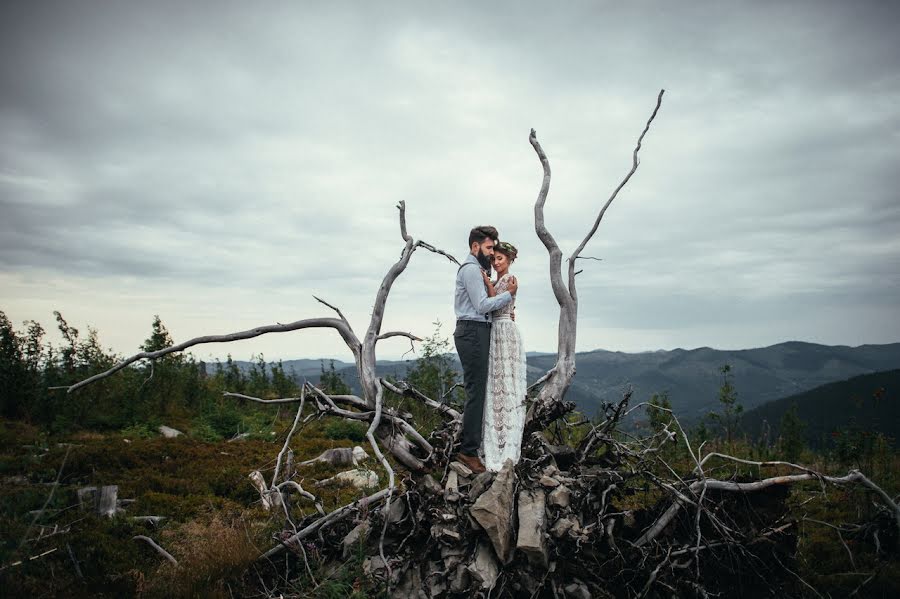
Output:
(729, 418)
(791, 438)
(331, 382)
(659, 418)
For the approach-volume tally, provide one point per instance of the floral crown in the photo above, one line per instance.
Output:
(507, 248)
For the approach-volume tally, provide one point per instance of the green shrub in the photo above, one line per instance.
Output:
(345, 429)
(139, 431)
(204, 431)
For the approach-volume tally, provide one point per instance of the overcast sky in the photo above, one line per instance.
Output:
(218, 165)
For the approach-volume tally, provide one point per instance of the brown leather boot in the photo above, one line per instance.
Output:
(471, 462)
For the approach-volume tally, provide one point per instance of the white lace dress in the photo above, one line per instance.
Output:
(504, 404)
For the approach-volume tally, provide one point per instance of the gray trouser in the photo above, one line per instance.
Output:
(473, 343)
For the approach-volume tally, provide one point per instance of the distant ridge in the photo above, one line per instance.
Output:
(870, 402)
(690, 376)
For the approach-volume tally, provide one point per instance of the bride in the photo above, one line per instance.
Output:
(504, 408)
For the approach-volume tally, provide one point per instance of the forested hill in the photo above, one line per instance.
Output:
(690, 376)
(869, 403)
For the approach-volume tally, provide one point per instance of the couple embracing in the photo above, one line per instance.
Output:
(491, 352)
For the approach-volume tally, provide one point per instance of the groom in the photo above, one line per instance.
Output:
(473, 336)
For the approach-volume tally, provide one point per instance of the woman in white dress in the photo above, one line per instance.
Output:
(504, 408)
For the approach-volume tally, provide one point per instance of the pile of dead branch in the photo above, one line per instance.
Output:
(557, 523)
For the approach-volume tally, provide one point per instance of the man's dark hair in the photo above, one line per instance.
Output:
(479, 234)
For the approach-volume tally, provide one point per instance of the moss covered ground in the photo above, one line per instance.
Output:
(214, 524)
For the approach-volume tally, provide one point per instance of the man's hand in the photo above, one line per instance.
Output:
(513, 285)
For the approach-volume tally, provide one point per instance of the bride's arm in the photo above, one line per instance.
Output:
(487, 283)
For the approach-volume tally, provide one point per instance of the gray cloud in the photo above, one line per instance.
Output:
(224, 154)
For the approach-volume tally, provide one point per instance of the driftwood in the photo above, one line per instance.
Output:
(339, 456)
(557, 524)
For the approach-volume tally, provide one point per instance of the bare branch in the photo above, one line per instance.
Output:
(402, 208)
(431, 248)
(339, 313)
(722, 485)
(390, 334)
(260, 400)
(159, 549)
(379, 398)
(287, 439)
(559, 290)
(339, 325)
(331, 518)
(542, 380)
(405, 389)
(53, 488)
(634, 165)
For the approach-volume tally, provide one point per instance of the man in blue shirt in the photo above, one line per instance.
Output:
(473, 335)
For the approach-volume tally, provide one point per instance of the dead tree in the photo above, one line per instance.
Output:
(557, 523)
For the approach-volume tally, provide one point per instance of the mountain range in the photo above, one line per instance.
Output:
(690, 377)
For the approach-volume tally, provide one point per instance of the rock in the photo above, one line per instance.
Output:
(397, 511)
(353, 538)
(452, 485)
(549, 482)
(437, 585)
(361, 479)
(578, 590)
(494, 512)
(565, 526)
(481, 482)
(550, 470)
(410, 586)
(373, 564)
(484, 569)
(452, 551)
(461, 469)
(169, 432)
(432, 485)
(560, 496)
(459, 580)
(531, 539)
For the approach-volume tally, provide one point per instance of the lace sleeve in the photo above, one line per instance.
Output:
(500, 286)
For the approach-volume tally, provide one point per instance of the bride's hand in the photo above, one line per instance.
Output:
(487, 279)
(512, 285)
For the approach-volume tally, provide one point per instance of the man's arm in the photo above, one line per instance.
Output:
(474, 284)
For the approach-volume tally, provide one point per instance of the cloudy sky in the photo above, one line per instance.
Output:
(219, 164)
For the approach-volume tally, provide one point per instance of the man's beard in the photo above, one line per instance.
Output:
(483, 260)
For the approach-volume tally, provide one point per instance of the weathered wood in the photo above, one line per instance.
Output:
(156, 546)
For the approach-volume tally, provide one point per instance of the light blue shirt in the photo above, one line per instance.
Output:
(471, 300)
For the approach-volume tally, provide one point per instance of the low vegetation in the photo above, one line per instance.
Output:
(107, 434)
